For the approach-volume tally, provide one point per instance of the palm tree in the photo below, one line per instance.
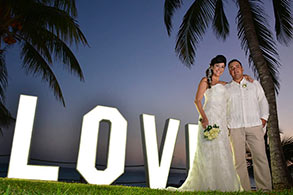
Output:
(43, 29)
(259, 45)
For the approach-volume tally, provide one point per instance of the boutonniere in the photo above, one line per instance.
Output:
(244, 85)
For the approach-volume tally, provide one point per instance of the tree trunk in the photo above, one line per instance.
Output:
(280, 174)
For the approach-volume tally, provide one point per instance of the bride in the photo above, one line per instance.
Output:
(213, 167)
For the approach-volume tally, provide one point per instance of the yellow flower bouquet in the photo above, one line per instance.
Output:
(211, 132)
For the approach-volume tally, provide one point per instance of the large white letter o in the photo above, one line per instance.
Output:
(88, 146)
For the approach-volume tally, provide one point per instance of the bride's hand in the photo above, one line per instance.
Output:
(204, 122)
(247, 77)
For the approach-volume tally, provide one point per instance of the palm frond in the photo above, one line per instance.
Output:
(169, 8)
(35, 64)
(55, 20)
(37, 39)
(283, 20)
(287, 146)
(47, 27)
(48, 44)
(220, 22)
(194, 25)
(64, 54)
(266, 41)
(3, 77)
(65, 5)
(62, 25)
(287, 141)
(5, 117)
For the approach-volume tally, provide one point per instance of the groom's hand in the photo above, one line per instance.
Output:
(264, 122)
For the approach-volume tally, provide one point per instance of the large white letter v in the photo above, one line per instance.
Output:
(157, 171)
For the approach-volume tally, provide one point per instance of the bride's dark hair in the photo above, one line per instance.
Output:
(209, 71)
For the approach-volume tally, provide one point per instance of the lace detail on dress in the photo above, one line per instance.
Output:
(213, 167)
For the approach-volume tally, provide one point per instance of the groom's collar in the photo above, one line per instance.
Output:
(241, 82)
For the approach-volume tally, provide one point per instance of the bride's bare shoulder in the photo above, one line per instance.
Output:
(203, 83)
(204, 80)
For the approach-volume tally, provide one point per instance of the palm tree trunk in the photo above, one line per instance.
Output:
(280, 174)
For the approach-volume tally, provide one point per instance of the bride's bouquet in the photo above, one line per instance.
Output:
(211, 132)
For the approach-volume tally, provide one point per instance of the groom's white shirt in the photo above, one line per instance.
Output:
(246, 105)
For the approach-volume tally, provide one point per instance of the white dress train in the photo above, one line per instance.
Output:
(213, 166)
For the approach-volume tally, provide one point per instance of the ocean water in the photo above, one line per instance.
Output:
(3, 170)
(128, 178)
(138, 178)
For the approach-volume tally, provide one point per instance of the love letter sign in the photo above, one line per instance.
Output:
(157, 169)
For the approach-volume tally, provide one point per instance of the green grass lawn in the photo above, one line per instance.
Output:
(19, 186)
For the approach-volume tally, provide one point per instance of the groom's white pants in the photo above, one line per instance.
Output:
(254, 136)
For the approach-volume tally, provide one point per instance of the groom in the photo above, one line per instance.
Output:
(247, 114)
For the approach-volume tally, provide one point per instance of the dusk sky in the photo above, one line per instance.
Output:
(131, 65)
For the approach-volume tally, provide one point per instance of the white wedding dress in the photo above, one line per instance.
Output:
(213, 167)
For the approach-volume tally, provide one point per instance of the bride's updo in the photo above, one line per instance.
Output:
(209, 71)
